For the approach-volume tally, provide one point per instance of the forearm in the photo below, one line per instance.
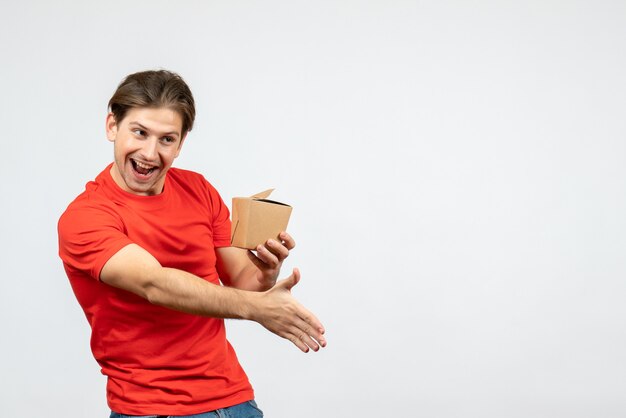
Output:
(247, 279)
(237, 269)
(137, 271)
(134, 269)
(275, 309)
(185, 292)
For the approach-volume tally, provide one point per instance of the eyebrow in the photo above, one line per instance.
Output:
(139, 125)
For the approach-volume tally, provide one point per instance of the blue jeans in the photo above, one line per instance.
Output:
(243, 410)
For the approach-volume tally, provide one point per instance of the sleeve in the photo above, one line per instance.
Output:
(89, 237)
(220, 218)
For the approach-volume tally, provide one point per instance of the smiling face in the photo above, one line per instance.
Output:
(146, 142)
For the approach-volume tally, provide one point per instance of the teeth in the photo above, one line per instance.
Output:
(142, 165)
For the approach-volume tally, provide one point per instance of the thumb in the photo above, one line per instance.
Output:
(290, 281)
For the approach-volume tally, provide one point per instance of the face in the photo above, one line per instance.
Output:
(146, 142)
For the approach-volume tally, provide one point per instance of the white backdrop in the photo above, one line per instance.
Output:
(457, 171)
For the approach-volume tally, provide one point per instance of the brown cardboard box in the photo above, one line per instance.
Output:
(257, 219)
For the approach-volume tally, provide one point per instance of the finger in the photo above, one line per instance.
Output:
(272, 255)
(304, 336)
(303, 341)
(308, 335)
(260, 264)
(290, 281)
(312, 326)
(298, 343)
(288, 240)
(307, 323)
(277, 248)
(264, 255)
(299, 333)
(314, 338)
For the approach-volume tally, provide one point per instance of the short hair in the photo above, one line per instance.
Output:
(160, 88)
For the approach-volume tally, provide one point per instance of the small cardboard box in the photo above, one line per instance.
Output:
(257, 219)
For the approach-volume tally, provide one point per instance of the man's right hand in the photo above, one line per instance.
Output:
(282, 314)
(134, 269)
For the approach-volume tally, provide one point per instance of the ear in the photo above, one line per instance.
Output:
(180, 144)
(111, 127)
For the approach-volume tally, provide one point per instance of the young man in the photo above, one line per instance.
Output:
(146, 249)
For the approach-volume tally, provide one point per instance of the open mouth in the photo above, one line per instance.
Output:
(141, 168)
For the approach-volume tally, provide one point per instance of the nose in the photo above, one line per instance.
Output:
(149, 149)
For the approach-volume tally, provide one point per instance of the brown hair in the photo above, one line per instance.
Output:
(159, 88)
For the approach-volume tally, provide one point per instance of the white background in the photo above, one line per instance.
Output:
(457, 171)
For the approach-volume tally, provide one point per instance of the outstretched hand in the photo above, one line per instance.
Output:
(283, 315)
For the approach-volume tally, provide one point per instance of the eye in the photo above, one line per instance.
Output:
(139, 132)
(168, 139)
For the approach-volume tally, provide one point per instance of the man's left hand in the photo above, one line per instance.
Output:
(269, 258)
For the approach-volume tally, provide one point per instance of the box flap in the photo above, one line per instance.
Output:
(262, 195)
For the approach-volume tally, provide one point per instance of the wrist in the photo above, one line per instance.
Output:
(250, 306)
(266, 281)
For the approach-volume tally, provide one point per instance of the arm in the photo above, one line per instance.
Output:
(241, 269)
(134, 269)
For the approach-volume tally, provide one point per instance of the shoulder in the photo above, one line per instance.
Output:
(182, 174)
(93, 198)
(90, 207)
(197, 188)
(191, 179)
